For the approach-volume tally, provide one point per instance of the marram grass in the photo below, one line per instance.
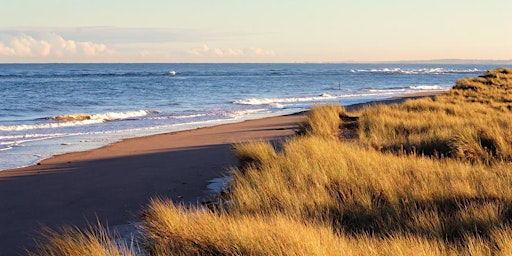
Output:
(323, 120)
(175, 230)
(469, 122)
(361, 190)
(72, 241)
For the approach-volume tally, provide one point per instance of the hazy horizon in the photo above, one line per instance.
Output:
(437, 61)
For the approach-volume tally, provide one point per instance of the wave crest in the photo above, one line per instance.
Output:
(427, 87)
(271, 101)
(415, 71)
(70, 120)
(104, 117)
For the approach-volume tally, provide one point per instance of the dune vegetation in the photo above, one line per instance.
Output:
(471, 121)
(72, 241)
(430, 176)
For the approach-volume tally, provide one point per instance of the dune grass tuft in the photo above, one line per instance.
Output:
(175, 230)
(254, 153)
(323, 120)
(72, 241)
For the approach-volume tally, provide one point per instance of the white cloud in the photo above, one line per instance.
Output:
(50, 45)
(206, 51)
(127, 35)
(47, 45)
(7, 51)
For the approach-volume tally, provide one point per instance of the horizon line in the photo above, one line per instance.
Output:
(425, 61)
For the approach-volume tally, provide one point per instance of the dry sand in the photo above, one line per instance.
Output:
(113, 184)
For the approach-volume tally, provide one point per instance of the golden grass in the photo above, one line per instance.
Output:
(471, 121)
(254, 153)
(95, 240)
(377, 195)
(174, 230)
(323, 120)
(362, 190)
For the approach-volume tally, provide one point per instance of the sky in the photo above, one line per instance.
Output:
(253, 31)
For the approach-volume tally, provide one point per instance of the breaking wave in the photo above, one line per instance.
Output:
(190, 116)
(242, 113)
(413, 88)
(70, 120)
(109, 116)
(273, 101)
(427, 87)
(416, 71)
(278, 102)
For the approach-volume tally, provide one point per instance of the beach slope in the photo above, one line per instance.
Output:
(112, 184)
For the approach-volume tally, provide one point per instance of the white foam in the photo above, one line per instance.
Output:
(415, 71)
(386, 91)
(77, 120)
(270, 101)
(180, 116)
(4, 148)
(24, 127)
(427, 87)
(409, 89)
(325, 97)
(109, 116)
(242, 113)
(12, 141)
(276, 105)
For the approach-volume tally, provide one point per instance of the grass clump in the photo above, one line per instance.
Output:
(362, 191)
(254, 153)
(323, 120)
(471, 121)
(72, 241)
(175, 230)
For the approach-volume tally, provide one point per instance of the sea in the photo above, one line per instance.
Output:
(50, 109)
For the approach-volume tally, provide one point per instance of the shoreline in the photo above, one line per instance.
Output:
(112, 184)
(391, 99)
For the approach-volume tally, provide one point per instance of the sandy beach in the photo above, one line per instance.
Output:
(113, 184)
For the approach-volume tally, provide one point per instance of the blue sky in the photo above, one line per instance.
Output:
(253, 31)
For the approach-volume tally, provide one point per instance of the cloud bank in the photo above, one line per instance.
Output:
(206, 51)
(89, 45)
(50, 45)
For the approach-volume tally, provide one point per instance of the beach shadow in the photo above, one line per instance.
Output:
(112, 190)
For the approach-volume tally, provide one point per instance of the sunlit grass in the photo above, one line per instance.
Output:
(72, 241)
(174, 230)
(361, 190)
(471, 121)
(323, 120)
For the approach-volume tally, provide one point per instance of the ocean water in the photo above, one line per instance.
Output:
(49, 109)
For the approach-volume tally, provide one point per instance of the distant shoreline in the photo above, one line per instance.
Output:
(433, 62)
